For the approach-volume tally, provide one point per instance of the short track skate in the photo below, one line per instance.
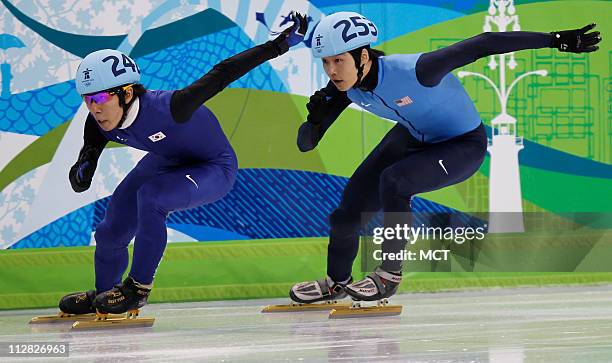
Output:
(97, 320)
(358, 309)
(294, 306)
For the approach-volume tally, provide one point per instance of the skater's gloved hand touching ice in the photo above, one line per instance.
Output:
(577, 40)
(82, 172)
(294, 35)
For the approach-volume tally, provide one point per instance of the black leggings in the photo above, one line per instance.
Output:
(397, 169)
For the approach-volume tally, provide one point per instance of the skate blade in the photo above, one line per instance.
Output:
(368, 311)
(122, 322)
(305, 307)
(63, 318)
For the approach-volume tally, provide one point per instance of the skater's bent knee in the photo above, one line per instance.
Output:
(396, 189)
(148, 194)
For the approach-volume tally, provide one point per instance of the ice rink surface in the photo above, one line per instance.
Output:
(560, 324)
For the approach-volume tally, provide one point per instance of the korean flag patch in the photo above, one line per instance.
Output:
(158, 136)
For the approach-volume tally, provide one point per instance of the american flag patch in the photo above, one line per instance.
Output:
(403, 101)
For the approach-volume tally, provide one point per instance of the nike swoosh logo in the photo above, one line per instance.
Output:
(365, 104)
(193, 181)
(442, 165)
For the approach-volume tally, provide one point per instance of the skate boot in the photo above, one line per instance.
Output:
(127, 296)
(306, 295)
(378, 285)
(319, 290)
(78, 303)
(73, 307)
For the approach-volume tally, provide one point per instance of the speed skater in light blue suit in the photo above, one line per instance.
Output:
(439, 139)
(189, 162)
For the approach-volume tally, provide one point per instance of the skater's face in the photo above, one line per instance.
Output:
(105, 108)
(342, 71)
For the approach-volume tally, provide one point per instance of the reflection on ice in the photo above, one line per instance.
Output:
(571, 324)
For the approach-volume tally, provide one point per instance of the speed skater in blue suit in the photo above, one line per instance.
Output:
(438, 141)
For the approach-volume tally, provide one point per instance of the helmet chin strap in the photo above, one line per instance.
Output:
(125, 106)
(359, 76)
(356, 54)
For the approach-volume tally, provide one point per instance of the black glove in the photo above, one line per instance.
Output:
(309, 135)
(293, 35)
(82, 172)
(317, 106)
(577, 40)
(324, 107)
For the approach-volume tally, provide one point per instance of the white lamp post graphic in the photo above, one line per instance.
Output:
(505, 198)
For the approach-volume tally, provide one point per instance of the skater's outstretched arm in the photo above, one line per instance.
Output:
(82, 172)
(184, 102)
(433, 66)
(324, 107)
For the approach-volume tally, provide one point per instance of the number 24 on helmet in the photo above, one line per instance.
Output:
(105, 69)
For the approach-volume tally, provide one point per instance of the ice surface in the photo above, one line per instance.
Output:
(561, 324)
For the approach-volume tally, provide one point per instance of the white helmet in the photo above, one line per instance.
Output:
(105, 69)
(341, 32)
